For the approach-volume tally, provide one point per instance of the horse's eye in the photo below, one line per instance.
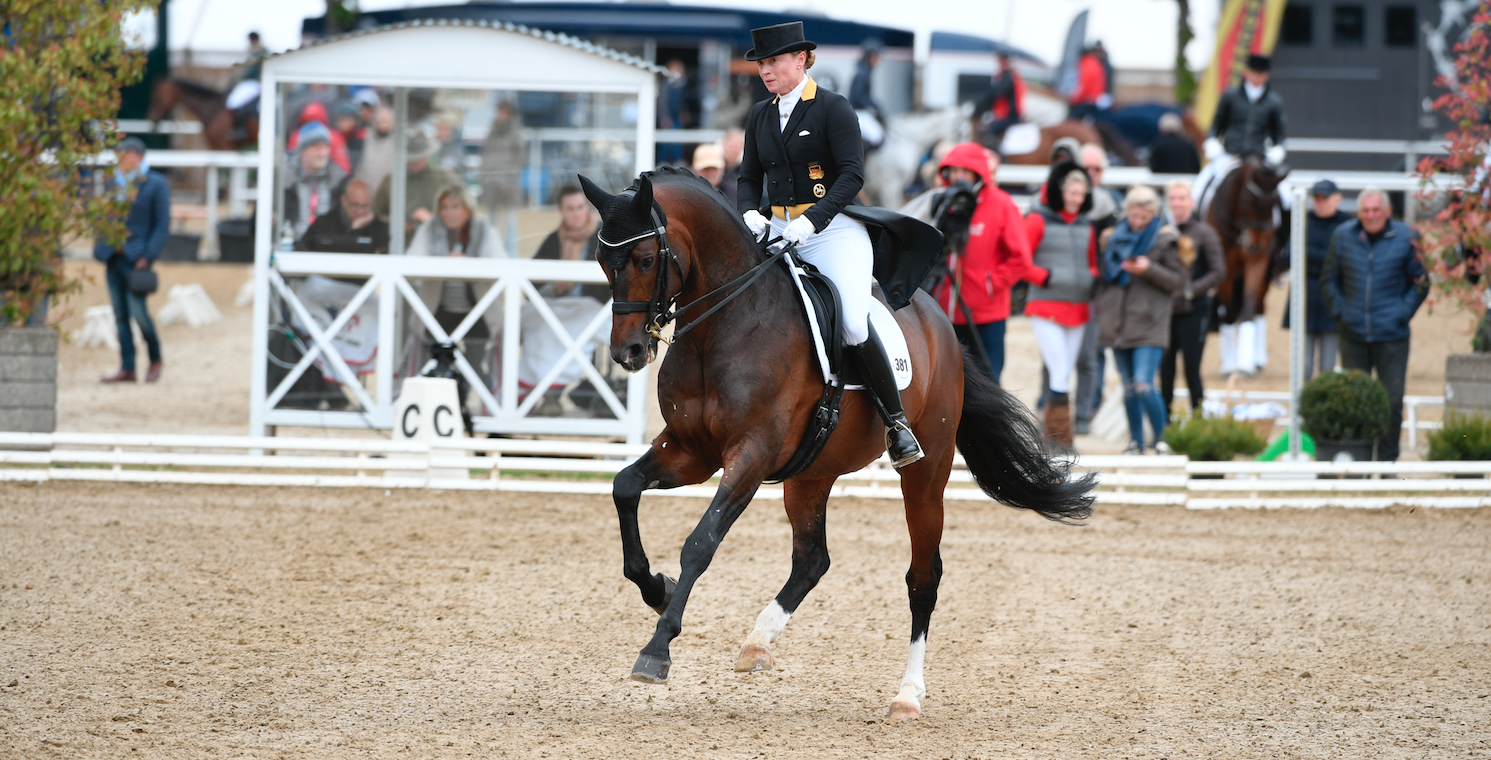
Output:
(647, 263)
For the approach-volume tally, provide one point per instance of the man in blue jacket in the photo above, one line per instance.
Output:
(1372, 282)
(148, 224)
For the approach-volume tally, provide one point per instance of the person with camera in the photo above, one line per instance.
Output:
(1062, 272)
(130, 278)
(985, 250)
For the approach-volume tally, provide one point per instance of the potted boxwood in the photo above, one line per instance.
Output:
(1345, 412)
(1212, 439)
(1464, 437)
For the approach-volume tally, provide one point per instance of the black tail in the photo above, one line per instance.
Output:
(1007, 455)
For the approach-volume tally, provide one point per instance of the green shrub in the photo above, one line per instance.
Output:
(1212, 439)
(1344, 406)
(1463, 437)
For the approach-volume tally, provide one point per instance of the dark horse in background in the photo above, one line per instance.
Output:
(737, 394)
(210, 108)
(1245, 211)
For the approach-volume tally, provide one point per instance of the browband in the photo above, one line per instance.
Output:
(633, 239)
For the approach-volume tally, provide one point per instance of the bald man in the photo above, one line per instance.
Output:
(354, 228)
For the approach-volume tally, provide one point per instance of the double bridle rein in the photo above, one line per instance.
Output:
(663, 309)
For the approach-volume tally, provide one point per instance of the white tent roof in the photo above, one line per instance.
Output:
(456, 53)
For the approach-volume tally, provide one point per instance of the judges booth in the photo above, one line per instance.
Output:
(488, 122)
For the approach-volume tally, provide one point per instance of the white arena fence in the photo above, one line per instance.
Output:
(583, 467)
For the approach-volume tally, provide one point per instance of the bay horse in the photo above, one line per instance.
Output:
(737, 388)
(1242, 211)
(210, 108)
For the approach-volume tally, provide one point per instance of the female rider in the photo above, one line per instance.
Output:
(803, 149)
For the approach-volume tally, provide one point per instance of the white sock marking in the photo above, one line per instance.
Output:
(769, 625)
(915, 661)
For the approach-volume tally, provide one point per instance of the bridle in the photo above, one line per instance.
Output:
(662, 310)
(1243, 227)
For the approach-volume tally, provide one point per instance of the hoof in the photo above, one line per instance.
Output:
(650, 669)
(753, 658)
(906, 705)
(668, 585)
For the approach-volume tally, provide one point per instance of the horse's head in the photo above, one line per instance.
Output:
(1254, 214)
(163, 97)
(644, 264)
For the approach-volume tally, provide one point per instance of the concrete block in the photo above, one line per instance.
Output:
(1467, 395)
(1470, 367)
(28, 395)
(28, 368)
(28, 340)
(28, 420)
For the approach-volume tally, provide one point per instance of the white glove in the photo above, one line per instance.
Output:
(1213, 149)
(756, 222)
(799, 230)
(1274, 156)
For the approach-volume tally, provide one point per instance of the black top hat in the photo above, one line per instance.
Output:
(778, 39)
(1259, 63)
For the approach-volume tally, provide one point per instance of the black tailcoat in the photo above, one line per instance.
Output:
(818, 158)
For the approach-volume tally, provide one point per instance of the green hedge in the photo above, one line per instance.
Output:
(1344, 406)
(1463, 437)
(1212, 439)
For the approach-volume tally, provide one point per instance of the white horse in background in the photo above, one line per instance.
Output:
(908, 138)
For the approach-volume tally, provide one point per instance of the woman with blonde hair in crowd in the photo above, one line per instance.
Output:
(1140, 271)
(456, 230)
(1062, 271)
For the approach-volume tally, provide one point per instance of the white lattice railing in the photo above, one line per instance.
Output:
(388, 281)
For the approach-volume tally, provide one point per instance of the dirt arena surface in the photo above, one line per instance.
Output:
(191, 621)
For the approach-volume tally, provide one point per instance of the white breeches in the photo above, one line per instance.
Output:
(842, 252)
(1059, 347)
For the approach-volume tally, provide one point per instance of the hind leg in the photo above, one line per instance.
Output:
(665, 465)
(807, 509)
(922, 488)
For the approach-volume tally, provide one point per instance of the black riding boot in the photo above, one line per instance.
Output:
(875, 364)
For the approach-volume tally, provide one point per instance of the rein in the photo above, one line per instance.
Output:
(662, 310)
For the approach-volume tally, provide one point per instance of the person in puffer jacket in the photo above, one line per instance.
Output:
(996, 256)
(1372, 282)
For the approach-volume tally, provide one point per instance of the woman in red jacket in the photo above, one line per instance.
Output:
(996, 256)
(1061, 276)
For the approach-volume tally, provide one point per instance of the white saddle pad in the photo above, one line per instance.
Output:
(1021, 139)
(885, 325)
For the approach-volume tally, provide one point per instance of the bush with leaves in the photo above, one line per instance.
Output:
(1213, 439)
(62, 63)
(1463, 437)
(1456, 241)
(1344, 406)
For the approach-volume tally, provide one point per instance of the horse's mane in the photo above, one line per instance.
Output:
(677, 176)
(196, 88)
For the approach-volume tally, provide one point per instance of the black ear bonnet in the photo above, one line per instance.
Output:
(627, 218)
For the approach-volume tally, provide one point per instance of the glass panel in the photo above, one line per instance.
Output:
(1348, 26)
(1298, 25)
(1400, 26)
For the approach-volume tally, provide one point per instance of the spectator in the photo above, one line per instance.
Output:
(673, 111)
(147, 225)
(1173, 152)
(448, 135)
(503, 156)
(316, 112)
(422, 182)
(367, 103)
(1091, 94)
(1201, 254)
(994, 258)
(354, 228)
(1141, 272)
(734, 150)
(351, 129)
(457, 231)
(1103, 214)
(1061, 276)
(709, 163)
(871, 117)
(1372, 282)
(1003, 106)
(377, 149)
(313, 180)
(574, 240)
(1321, 331)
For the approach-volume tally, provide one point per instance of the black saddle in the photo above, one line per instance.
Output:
(823, 297)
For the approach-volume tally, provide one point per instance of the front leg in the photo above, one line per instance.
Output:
(665, 465)
(743, 476)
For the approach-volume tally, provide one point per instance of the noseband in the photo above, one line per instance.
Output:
(663, 309)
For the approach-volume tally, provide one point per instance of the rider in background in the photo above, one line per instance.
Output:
(1002, 106)
(1249, 122)
(243, 99)
(1091, 94)
(803, 148)
(871, 117)
(994, 256)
